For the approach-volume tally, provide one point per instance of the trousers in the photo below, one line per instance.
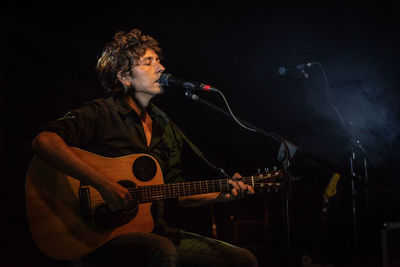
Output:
(151, 250)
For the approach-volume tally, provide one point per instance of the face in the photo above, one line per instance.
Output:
(146, 73)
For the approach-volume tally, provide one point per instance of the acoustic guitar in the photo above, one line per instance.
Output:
(68, 219)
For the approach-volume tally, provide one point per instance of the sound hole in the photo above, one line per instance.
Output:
(107, 219)
(144, 168)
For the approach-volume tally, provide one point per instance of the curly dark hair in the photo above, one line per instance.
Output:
(120, 55)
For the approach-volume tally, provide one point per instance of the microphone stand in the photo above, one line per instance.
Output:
(357, 161)
(286, 153)
(354, 158)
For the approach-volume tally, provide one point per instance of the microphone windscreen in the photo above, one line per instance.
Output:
(163, 81)
(282, 70)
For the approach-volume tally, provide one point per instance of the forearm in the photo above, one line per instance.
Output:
(53, 150)
(201, 200)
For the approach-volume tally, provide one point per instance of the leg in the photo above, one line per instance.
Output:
(135, 249)
(197, 250)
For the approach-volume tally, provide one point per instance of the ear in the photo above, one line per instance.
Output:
(123, 78)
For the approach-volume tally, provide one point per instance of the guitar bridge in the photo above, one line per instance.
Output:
(84, 201)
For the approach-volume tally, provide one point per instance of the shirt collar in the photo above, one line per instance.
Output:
(123, 108)
(155, 113)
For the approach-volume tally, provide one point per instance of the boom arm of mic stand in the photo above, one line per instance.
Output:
(276, 137)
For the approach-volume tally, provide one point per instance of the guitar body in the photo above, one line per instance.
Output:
(57, 220)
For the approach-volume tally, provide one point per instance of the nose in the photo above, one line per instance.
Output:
(160, 68)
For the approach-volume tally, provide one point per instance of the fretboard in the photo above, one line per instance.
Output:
(174, 190)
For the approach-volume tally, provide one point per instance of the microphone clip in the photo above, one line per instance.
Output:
(299, 68)
(189, 94)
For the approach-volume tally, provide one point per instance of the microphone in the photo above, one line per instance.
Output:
(168, 80)
(285, 70)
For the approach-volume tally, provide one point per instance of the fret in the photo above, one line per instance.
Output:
(169, 192)
(218, 184)
(175, 192)
(203, 187)
(227, 185)
(181, 190)
(196, 188)
(210, 186)
(146, 194)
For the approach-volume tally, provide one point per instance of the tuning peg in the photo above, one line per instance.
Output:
(275, 168)
(266, 169)
(258, 170)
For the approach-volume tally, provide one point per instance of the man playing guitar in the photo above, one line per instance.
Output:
(127, 123)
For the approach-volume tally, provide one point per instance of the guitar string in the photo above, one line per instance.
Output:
(147, 195)
(200, 186)
(203, 184)
(186, 188)
(142, 198)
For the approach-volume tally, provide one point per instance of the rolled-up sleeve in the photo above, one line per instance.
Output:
(78, 126)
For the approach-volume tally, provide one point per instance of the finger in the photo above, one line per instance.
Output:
(237, 175)
(123, 203)
(128, 196)
(112, 207)
(243, 186)
(251, 190)
(243, 189)
(123, 194)
(235, 185)
(235, 192)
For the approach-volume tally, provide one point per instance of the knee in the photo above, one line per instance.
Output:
(148, 249)
(246, 259)
(166, 252)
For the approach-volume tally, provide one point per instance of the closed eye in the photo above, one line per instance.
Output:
(149, 60)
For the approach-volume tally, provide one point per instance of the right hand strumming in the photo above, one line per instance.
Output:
(115, 195)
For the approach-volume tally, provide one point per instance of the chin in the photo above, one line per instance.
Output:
(158, 90)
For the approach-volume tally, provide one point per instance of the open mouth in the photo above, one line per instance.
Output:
(163, 80)
(159, 82)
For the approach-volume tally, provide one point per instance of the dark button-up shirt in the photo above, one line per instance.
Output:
(111, 128)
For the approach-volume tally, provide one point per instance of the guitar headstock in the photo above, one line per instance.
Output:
(268, 175)
(268, 179)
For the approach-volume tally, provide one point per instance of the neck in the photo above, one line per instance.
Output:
(138, 104)
(141, 99)
(149, 193)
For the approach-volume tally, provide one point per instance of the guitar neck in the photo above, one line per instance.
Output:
(175, 190)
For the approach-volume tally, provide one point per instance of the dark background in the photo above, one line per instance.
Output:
(47, 66)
